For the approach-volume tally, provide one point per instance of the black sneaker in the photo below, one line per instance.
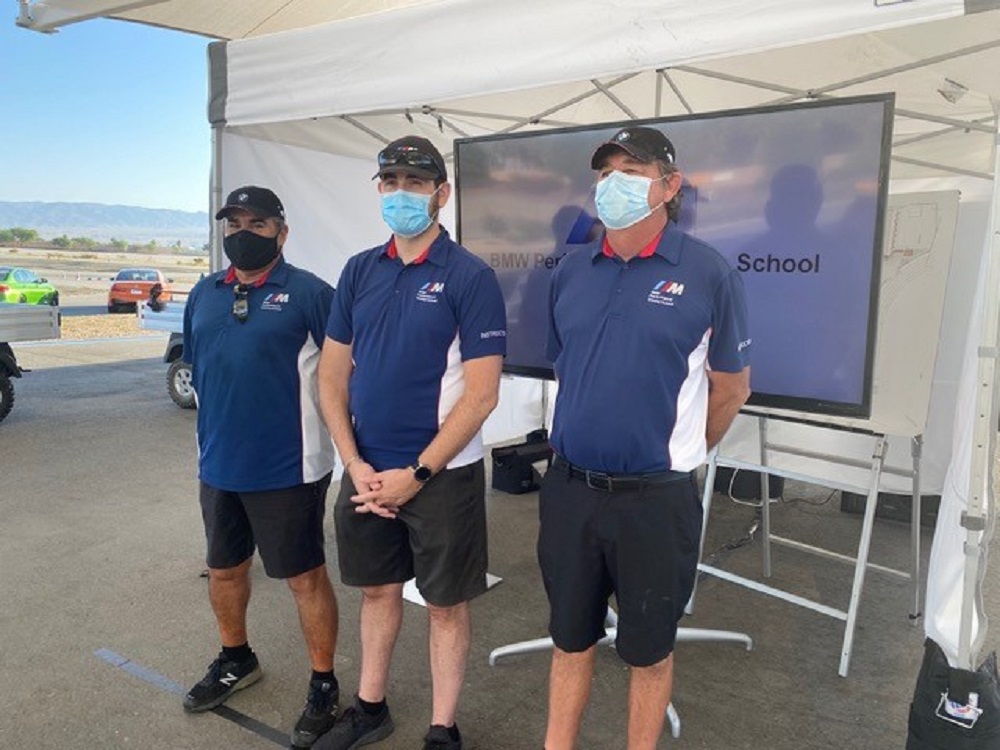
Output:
(224, 678)
(355, 728)
(438, 738)
(319, 714)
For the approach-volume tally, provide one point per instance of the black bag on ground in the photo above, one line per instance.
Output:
(954, 709)
(513, 469)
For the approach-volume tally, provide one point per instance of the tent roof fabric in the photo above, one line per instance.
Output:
(244, 19)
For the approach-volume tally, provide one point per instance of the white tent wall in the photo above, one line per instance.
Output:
(330, 200)
(946, 572)
(959, 315)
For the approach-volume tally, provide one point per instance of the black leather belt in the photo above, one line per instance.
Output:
(599, 480)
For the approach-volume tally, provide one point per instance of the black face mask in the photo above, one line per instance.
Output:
(248, 251)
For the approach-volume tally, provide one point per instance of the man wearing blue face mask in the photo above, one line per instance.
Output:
(253, 334)
(648, 336)
(410, 371)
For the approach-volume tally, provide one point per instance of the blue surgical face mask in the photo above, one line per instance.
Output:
(406, 213)
(623, 199)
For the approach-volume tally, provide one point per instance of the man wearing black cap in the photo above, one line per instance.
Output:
(253, 335)
(409, 373)
(647, 333)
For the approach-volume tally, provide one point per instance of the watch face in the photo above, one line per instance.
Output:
(422, 473)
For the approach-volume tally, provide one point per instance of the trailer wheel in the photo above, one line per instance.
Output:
(6, 395)
(179, 384)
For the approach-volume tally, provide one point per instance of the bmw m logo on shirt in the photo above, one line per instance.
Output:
(430, 291)
(275, 301)
(664, 293)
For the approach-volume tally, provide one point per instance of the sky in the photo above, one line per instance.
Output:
(104, 112)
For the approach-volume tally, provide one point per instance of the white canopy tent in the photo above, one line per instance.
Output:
(304, 93)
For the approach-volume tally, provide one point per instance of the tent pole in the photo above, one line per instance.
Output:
(215, 198)
(621, 105)
(658, 96)
(933, 60)
(677, 92)
(361, 126)
(795, 94)
(938, 133)
(218, 93)
(502, 117)
(978, 517)
(941, 167)
(563, 105)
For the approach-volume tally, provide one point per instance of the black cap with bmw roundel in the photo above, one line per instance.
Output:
(259, 201)
(642, 143)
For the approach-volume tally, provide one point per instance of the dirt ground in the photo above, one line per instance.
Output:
(78, 327)
(83, 277)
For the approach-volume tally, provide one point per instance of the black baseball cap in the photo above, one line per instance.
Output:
(259, 201)
(644, 144)
(414, 155)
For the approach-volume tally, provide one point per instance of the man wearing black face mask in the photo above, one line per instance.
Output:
(252, 334)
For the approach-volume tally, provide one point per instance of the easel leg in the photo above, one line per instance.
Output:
(916, 448)
(706, 507)
(765, 503)
(861, 564)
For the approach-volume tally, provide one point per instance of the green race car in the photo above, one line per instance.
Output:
(22, 285)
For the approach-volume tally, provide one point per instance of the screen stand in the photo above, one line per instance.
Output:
(876, 467)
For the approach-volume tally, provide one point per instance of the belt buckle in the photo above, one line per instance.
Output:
(598, 476)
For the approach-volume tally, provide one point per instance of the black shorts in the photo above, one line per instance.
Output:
(640, 544)
(439, 536)
(286, 525)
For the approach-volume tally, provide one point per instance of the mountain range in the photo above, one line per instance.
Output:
(104, 222)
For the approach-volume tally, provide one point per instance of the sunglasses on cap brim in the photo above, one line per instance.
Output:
(407, 156)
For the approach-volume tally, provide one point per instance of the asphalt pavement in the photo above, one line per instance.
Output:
(105, 621)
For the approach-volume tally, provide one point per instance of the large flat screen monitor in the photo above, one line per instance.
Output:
(792, 196)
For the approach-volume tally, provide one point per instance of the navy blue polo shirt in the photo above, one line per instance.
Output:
(631, 343)
(259, 422)
(410, 328)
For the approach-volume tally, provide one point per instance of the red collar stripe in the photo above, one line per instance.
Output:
(644, 253)
(231, 277)
(392, 252)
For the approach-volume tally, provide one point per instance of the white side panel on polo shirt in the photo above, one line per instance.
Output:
(687, 447)
(452, 387)
(317, 448)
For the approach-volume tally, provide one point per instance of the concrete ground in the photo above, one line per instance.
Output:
(104, 617)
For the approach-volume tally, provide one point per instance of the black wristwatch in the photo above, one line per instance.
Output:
(421, 472)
